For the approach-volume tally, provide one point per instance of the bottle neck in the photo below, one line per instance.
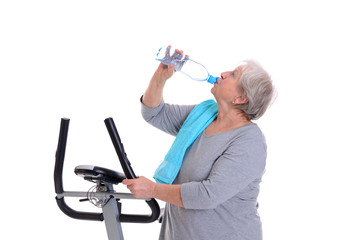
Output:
(212, 79)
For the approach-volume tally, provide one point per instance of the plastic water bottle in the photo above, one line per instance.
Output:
(184, 64)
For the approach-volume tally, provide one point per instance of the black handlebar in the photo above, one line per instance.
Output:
(60, 155)
(129, 173)
(76, 214)
(119, 147)
(59, 189)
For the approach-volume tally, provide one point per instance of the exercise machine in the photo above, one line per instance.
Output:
(102, 194)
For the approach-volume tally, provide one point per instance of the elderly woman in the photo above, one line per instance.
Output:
(214, 195)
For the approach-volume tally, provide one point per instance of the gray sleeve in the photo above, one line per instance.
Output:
(166, 117)
(241, 164)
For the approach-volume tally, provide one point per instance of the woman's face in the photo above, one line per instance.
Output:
(226, 87)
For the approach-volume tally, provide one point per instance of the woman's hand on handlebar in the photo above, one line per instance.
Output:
(140, 187)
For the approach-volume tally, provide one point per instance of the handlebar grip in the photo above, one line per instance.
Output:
(60, 155)
(115, 138)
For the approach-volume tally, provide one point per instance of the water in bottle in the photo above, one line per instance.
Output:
(184, 64)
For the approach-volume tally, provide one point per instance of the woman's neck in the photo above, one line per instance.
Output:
(231, 118)
(227, 120)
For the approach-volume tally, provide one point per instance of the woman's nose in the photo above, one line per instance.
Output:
(224, 75)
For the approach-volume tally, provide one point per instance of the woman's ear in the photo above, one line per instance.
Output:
(241, 99)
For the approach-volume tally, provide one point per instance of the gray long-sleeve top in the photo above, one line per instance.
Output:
(219, 178)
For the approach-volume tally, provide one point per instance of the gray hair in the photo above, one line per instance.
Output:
(257, 85)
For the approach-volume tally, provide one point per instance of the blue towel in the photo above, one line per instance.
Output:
(196, 122)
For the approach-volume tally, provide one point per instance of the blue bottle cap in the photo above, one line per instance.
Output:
(212, 79)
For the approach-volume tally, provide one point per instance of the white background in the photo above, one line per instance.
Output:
(89, 60)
